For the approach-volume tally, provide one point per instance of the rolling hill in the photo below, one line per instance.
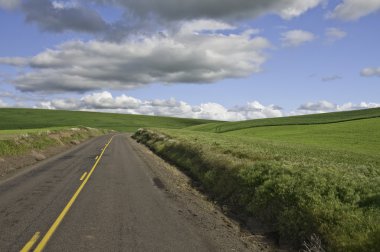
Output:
(17, 118)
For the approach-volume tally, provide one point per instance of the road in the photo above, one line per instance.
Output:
(100, 196)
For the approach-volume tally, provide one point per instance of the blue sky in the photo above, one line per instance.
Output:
(231, 61)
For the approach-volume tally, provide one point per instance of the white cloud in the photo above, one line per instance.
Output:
(355, 9)
(333, 34)
(296, 38)
(3, 104)
(106, 102)
(326, 106)
(370, 72)
(186, 56)
(205, 25)
(9, 4)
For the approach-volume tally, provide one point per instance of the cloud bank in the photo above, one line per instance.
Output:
(106, 102)
(326, 106)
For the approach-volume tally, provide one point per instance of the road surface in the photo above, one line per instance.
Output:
(100, 196)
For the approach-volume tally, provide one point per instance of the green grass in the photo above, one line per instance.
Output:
(14, 118)
(335, 117)
(309, 177)
(359, 136)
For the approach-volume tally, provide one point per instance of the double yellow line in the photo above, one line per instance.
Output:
(62, 215)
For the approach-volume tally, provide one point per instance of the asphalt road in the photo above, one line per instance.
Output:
(117, 206)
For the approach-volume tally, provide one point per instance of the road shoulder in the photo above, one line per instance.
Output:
(193, 205)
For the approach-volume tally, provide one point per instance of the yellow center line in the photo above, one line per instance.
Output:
(62, 215)
(28, 246)
(83, 176)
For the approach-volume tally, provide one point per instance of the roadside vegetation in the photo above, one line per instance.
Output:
(320, 180)
(17, 118)
(14, 142)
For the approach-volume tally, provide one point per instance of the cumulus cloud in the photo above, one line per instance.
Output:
(148, 15)
(189, 55)
(61, 16)
(333, 34)
(296, 38)
(326, 106)
(214, 9)
(355, 9)
(9, 4)
(106, 102)
(370, 72)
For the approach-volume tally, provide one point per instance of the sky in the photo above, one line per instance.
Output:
(211, 59)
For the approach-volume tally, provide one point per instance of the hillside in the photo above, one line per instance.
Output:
(17, 118)
(324, 118)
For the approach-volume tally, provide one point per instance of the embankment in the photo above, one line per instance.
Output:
(18, 150)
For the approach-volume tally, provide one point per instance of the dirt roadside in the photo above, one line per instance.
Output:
(9, 166)
(63, 141)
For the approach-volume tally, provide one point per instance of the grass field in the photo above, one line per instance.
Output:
(311, 177)
(304, 175)
(220, 127)
(359, 136)
(14, 118)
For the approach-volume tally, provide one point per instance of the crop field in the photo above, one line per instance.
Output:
(306, 177)
(12, 118)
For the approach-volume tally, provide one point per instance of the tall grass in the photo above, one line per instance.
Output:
(298, 189)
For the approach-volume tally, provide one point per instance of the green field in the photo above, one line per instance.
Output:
(315, 174)
(303, 175)
(220, 127)
(14, 118)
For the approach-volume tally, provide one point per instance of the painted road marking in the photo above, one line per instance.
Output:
(28, 246)
(62, 215)
(83, 176)
(96, 157)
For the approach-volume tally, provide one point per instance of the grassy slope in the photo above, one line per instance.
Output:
(220, 127)
(359, 136)
(36, 118)
(16, 143)
(303, 179)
